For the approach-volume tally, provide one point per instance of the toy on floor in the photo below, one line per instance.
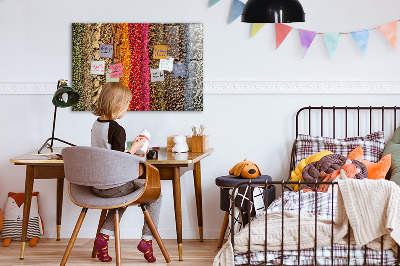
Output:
(245, 169)
(13, 215)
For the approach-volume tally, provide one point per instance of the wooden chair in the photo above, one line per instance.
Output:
(85, 167)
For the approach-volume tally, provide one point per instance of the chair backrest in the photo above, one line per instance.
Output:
(92, 166)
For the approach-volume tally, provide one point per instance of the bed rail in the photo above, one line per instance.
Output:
(265, 185)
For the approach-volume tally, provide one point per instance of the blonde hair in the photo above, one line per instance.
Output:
(113, 97)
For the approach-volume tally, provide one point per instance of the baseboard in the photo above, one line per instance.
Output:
(245, 87)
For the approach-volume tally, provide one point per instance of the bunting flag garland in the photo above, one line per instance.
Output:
(213, 2)
(237, 8)
(256, 27)
(361, 38)
(281, 31)
(332, 41)
(389, 30)
(306, 39)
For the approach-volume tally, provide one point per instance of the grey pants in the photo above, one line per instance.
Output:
(153, 208)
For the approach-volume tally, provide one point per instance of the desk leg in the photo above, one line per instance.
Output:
(199, 204)
(60, 190)
(27, 206)
(176, 182)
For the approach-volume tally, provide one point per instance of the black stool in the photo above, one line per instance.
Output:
(226, 183)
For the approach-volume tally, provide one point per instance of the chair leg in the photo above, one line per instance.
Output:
(223, 229)
(73, 237)
(101, 222)
(117, 239)
(154, 230)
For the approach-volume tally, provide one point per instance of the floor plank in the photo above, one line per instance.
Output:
(49, 252)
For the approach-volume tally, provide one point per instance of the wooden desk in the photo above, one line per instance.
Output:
(171, 167)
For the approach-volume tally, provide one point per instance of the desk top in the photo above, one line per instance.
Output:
(164, 157)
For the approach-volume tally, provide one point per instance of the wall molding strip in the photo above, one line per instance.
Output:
(245, 87)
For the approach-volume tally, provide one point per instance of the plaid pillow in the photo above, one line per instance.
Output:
(372, 145)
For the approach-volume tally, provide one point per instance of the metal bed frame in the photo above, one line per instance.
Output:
(283, 184)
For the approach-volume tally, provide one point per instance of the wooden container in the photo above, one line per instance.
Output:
(200, 143)
(171, 143)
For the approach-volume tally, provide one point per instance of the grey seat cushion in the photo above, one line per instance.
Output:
(83, 196)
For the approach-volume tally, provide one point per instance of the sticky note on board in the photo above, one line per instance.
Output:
(97, 67)
(156, 74)
(179, 70)
(160, 51)
(106, 50)
(167, 65)
(109, 79)
(117, 70)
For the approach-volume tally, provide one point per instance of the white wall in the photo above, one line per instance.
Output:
(35, 39)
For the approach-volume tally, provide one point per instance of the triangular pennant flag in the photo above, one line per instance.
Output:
(213, 2)
(390, 32)
(306, 39)
(281, 31)
(361, 37)
(255, 28)
(237, 9)
(332, 41)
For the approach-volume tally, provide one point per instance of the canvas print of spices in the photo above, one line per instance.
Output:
(162, 64)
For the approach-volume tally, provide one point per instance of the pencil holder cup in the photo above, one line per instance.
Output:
(200, 143)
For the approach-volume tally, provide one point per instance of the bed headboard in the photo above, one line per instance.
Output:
(344, 121)
(344, 118)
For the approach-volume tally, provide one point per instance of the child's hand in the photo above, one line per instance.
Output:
(137, 144)
(142, 155)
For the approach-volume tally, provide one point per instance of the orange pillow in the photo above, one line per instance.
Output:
(375, 170)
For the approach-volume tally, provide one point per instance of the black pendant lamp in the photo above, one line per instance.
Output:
(273, 11)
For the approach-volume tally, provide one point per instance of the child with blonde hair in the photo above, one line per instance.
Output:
(106, 133)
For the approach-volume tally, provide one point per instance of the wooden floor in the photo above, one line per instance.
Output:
(50, 252)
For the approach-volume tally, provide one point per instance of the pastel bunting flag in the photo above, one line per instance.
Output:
(306, 39)
(332, 41)
(213, 2)
(389, 30)
(256, 27)
(237, 8)
(281, 31)
(361, 37)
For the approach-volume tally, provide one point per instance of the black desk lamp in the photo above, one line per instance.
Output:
(64, 97)
(273, 11)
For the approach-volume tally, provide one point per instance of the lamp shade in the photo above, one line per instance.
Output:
(273, 11)
(65, 96)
